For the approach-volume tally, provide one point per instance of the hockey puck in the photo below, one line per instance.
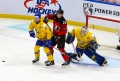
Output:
(3, 61)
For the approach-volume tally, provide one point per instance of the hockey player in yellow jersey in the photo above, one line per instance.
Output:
(44, 35)
(86, 43)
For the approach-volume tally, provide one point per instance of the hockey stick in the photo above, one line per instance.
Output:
(107, 46)
(73, 55)
(74, 48)
(61, 51)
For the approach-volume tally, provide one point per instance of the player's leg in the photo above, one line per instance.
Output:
(46, 47)
(65, 57)
(93, 55)
(52, 45)
(49, 55)
(37, 51)
(79, 55)
(61, 46)
(51, 48)
(37, 55)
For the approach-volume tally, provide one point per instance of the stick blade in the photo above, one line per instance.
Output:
(71, 55)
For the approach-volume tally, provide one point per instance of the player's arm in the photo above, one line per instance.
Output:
(31, 28)
(49, 33)
(72, 32)
(50, 16)
(70, 36)
(47, 17)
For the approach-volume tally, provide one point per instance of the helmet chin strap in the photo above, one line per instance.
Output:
(37, 22)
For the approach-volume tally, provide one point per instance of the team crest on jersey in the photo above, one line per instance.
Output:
(57, 28)
(83, 42)
(42, 6)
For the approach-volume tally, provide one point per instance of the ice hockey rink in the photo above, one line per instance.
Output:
(16, 49)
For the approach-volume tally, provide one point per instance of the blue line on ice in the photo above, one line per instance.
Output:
(23, 27)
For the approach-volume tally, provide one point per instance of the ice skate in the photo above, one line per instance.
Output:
(50, 63)
(35, 60)
(105, 63)
(66, 63)
(46, 61)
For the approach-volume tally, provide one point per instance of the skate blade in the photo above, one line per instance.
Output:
(50, 66)
(105, 65)
(75, 61)
(36, 63)
(45, 63)
(65, 66)
(81, 59)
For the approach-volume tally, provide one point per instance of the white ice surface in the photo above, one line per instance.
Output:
(16, 49)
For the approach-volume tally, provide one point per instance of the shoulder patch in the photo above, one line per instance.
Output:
(44, 26)
(64, 22)
(76, 28)
(32, 20)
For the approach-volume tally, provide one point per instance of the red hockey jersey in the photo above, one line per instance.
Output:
(59, 25)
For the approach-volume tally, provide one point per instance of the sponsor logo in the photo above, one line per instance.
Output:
(91, 10)
(88, 8)
(40, 6)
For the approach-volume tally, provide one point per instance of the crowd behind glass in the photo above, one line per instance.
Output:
(111, 1)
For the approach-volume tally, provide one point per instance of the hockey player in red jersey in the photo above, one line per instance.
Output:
(59, 32)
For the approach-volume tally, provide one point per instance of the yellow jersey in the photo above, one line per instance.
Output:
(42, 30)
(82, 41)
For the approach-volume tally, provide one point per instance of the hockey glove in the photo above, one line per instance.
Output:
(70, 38)
(47, 43)
(45, 20)
(93, 45)
(32, 34)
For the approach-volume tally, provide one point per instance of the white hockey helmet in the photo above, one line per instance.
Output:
(84, 30)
